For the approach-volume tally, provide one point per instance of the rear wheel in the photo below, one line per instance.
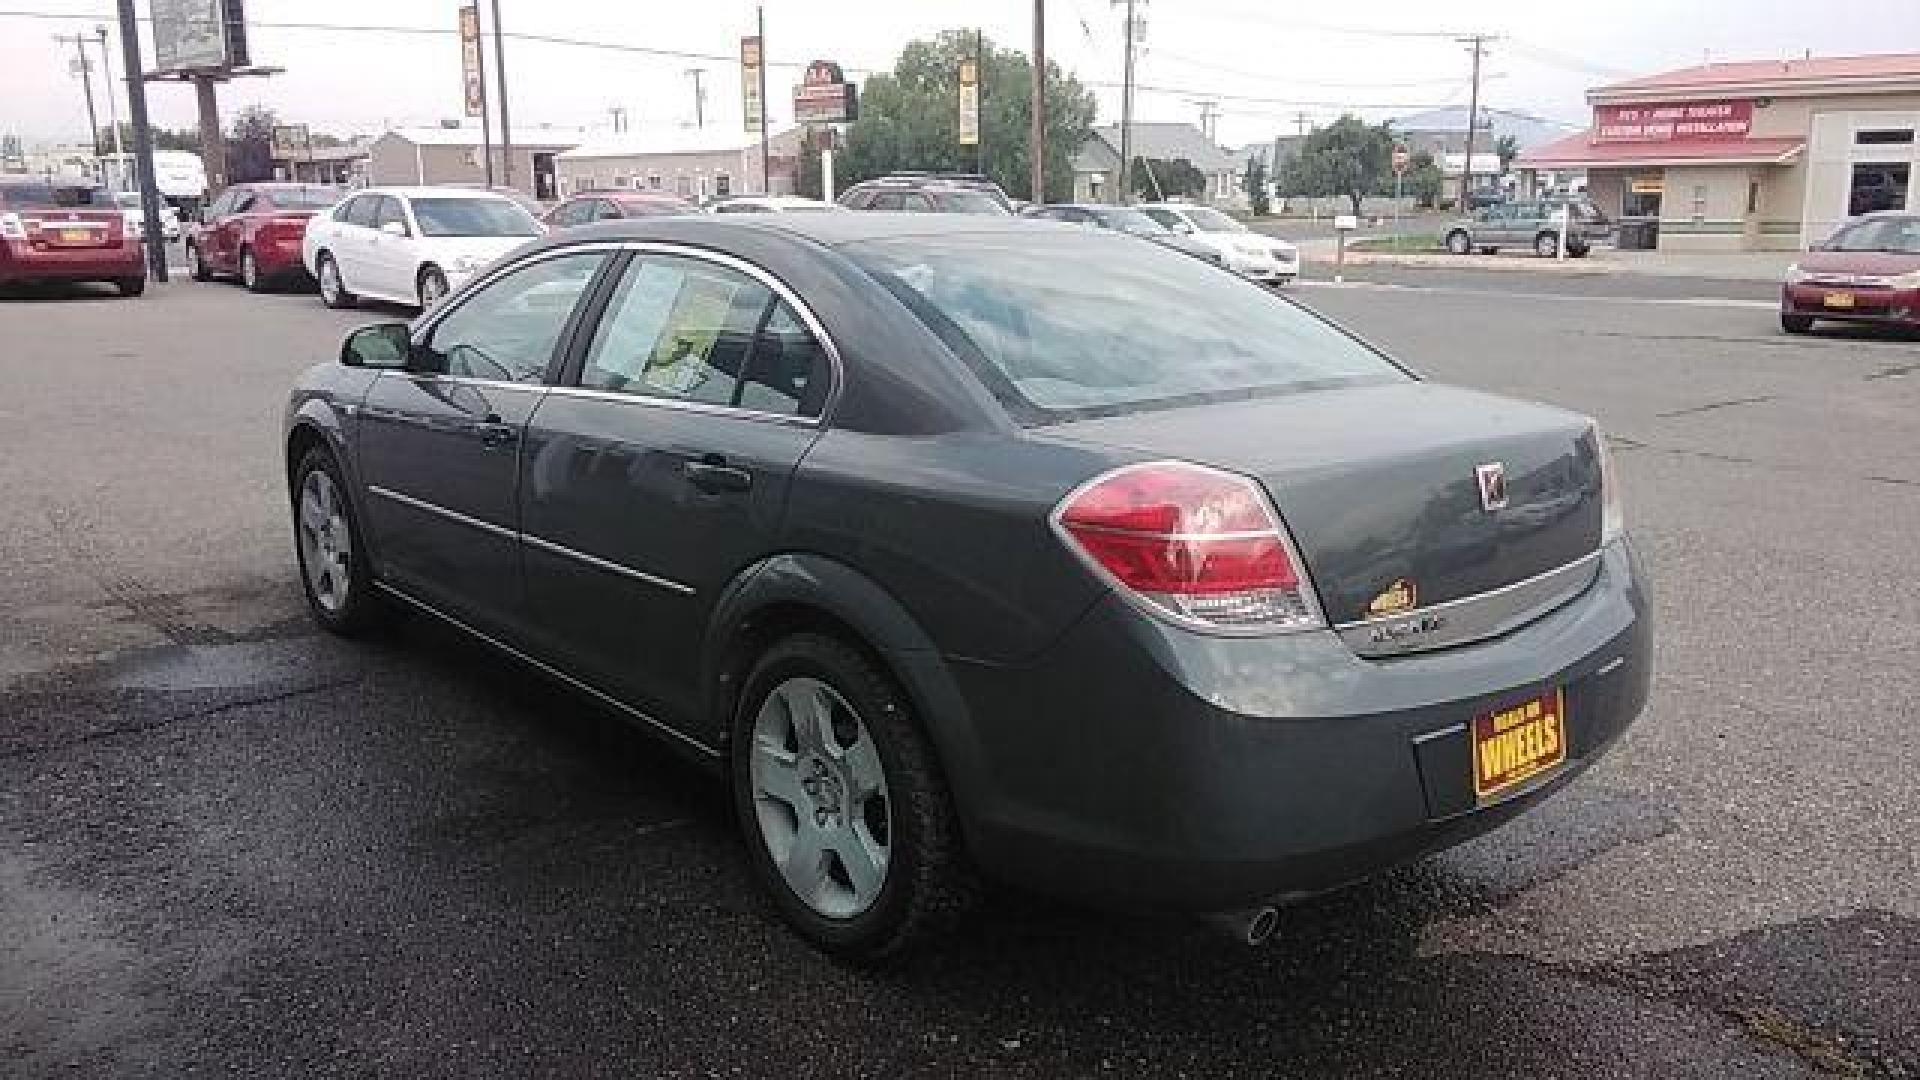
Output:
(1459, 242)
(1546, 245)
(333, 291)
(846, 812)
(198, 262)
(250, 272)
(433, 287)
(1794, 322)
(131, 286)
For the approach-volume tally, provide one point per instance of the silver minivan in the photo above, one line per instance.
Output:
(1533, 224)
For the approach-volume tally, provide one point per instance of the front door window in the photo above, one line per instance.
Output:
(507, 331)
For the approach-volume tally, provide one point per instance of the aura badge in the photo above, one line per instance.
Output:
(1395, 598)
(1493, 486)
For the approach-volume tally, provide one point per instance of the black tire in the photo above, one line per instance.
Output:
(198, 263)
(431, 287)
(362, 609)
(1459, 243)
(339, 298)
(1578, 251)
(250, 272)
(131, 286)
(1795, 322)
(1546, 245)
(928, 883)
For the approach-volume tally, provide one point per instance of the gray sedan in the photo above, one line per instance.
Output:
(969, 547)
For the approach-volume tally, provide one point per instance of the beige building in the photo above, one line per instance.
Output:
(1764, 155)
(694, 163)
(452, 155)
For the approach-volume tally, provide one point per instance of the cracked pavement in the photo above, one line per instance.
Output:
(231, 846)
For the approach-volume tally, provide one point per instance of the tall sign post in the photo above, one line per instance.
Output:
(1400, 161)
(1037, 130)
(970, 106)
(500, 86)
(473, 74)
(753, 93)
(823, 100)
(204, 42)
(142, 143)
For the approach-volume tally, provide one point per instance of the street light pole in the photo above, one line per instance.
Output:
(766, 156)
(1126, 116)
(142, 142)
(106, 82)
(500, 82)
(1037, 136)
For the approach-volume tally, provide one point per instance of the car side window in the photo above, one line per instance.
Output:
(886, 200)
(570, 214)
(1165, 217)
(689, 330)
(917, 203)
(858, 200)
(243, 201)
(507, 330)
(391, 212)
(361, 211)
(605, 210)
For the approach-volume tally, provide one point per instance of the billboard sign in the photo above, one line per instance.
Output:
(824, 96)
(1682, 121)
(969, 103)
(292, 142)
(472, 74)
(189, 34)
(750, 80)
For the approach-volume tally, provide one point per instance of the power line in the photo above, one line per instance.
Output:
(1268, 76)
(1242, 15)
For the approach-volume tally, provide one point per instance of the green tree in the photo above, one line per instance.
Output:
(1348, 157)
(1423, 180)
(1508, 148)
(250, 145)
(186, 139)
(1255, 183)
(909, 118)
(1160, 178)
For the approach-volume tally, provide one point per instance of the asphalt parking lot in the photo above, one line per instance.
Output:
(230, 846)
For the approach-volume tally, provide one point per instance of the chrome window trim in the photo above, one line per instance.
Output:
(505, 533)
(684, 405)
(1474, 618)
(550, 670)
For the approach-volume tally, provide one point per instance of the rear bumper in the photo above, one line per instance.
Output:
(1896, 306)
(1137, 765)
(21, 263)
(279, 259)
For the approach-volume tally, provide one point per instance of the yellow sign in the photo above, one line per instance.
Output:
(1395, 598)
(1647, 185)
(969, 103)
(750, 80)
(470, 61)
(1514, 745)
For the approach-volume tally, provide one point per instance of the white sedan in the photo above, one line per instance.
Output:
(410, 245)
(130, 209)
(1247, 253)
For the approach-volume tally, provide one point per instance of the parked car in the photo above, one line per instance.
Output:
(1482, 197)
(588, 207)
(958, 555)
(1126, 219)
(136, 219)
(1250, 254)
(1868, 271)
(929, 193)
(66, 231)
(1530, 224)
(410, 245)
(770, 204)
(256, 233)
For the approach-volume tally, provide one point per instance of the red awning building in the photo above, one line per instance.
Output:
(1759, 155)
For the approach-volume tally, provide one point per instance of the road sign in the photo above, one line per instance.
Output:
(750, 80)
(473, 81)
(1400, 159)
(824, 96)
(969, 103)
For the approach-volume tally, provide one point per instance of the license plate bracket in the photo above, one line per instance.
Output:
(1517, 743)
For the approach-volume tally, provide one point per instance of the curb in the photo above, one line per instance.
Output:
(1502, 264)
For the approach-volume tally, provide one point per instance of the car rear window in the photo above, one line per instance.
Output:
(966, 202)
(302, 198)
(1154, 328)
(52, 196)
(473, 217)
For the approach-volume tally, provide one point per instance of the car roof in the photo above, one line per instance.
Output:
(825, 230)
(428, 192)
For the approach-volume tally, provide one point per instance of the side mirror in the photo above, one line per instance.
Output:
(394, 228)
(387, 345)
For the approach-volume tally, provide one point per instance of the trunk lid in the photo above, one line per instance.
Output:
(1379, 485)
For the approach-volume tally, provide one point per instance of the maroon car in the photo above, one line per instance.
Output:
(254, 232)
(1868, 271)
(66, 231)
(587, 207)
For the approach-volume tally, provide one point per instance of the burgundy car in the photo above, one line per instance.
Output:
(66, 231)
(1868, 271)
(254, 232)
(587, 207)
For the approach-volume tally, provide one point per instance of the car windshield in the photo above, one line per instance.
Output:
(304, 198)
(473, 217)
(1155, 328)
(52, 196)
(1131, 221)
(1899, 235)
(966, 202)
(1207, 219)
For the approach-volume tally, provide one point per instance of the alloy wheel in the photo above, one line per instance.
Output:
(249, 271)
(330, 289)
(326, 541)
(820, 798)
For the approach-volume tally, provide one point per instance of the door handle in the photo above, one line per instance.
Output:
(712, 474)
(495, 434)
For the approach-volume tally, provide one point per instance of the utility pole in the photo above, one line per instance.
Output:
(1300, 123)
(619, 115)
(479, 56)
(142, 143)
(1037, 133)
(113, 99)
(766, 156)
(980, 99)
(699, 96)
(1477, 44)
(213, 145)
(82, 65)
(500, 83)
(1126, 111)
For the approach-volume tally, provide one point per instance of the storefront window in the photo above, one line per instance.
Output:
(1878, 186)
(1642, 199)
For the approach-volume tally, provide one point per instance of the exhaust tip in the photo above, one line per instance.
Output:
(1252, 927)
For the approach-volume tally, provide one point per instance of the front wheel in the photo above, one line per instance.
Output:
(433, 287)
(1459, 243)
(1546, 245)
(333, 291)
(198, 262)
(847, 815)
(250, 272)
(1794, 322)
(333, 561)
(131, 286)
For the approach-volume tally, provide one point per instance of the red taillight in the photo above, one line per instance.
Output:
(1195, 543)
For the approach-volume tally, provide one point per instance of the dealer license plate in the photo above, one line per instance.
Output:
(1516, 744)
(1838, 299)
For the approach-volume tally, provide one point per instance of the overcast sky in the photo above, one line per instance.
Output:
(1264, 60)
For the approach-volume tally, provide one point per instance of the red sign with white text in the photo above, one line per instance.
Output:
(1680, 121)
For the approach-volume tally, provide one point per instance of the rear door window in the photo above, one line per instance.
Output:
(362, 211)
(392, 213)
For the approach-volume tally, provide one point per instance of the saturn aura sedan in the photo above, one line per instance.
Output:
(410, 246)
(969, 547)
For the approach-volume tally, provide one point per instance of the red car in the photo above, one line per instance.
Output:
(254, 232)
(64, 231)
(587, 207)
(1868, 271)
